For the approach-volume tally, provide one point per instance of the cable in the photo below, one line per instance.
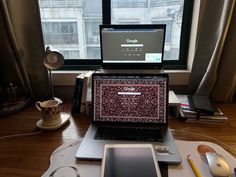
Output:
(35, 133)
(72, 167)
(18, 135)
(70, 145)
(57, 151)
(199, 134)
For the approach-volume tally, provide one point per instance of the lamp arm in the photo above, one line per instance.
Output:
(51, 83)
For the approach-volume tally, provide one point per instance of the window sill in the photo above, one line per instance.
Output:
(67, 78)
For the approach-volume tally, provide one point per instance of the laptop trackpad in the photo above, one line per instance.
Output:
(90, 150)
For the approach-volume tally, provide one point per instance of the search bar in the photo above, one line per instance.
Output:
(129, 93)
(131, 45)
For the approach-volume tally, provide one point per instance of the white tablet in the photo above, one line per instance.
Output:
(129, 160)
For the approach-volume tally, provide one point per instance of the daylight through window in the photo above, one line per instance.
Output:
(72, 26)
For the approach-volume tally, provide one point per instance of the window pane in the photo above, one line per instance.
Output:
(70, 53)
(59, 33)
(72, 26)
(167, 12)
(130, 3)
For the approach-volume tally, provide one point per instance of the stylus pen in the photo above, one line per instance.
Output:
(193, 166)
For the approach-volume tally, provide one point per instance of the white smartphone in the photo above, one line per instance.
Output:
(129, 160)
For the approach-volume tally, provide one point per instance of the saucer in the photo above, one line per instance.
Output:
(64, 117)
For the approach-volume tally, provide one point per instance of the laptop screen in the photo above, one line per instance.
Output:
(132, 46)
(127, 98)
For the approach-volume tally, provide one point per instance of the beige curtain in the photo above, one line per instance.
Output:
(21, 47)
(214, 65)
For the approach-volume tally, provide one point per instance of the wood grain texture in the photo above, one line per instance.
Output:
(28, 156)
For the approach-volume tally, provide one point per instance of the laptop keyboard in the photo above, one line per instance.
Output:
(130, 134)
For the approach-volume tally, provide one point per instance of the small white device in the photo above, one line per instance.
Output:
(218, 165)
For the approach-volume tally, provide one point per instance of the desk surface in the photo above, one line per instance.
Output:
(28, 156)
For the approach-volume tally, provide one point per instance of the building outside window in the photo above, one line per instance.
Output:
(70, 53)
(60, 32)
(92, 38)
(130, 3)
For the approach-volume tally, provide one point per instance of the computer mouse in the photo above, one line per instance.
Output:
(218, 165)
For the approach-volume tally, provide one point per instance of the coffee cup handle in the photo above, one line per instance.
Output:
(37, 105)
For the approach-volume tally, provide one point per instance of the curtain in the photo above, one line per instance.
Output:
(213, 71)
(22, 48)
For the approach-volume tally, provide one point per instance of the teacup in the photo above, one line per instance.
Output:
(50, 111)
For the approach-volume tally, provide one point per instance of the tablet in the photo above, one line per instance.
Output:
(129, 160)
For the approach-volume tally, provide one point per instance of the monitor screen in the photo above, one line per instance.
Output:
(132, 46)
(130, 98)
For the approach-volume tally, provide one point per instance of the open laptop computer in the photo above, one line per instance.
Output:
(132, 47)
(129, 108)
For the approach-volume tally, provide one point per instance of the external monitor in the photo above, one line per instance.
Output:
(132, 46)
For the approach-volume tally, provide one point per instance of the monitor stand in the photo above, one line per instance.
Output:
(132, 71)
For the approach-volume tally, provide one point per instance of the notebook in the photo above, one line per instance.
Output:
(129, 108)
(139, 46)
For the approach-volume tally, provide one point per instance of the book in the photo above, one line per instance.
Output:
(188, 114)
(218, 117)
(77, 97)
(86, 85)
(174, 104)
(89, 102)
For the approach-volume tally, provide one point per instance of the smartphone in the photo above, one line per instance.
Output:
(129, 160)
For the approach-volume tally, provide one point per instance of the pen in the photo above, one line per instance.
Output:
(193, 166)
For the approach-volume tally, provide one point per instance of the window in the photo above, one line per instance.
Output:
(72, 26)
(171, 44)
(60, 32)
(69, 53)
(129, 3)
(92, 38)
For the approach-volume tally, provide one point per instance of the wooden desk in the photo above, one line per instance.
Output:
(28, 156)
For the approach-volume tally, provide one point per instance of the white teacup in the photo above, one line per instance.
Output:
(50, 111)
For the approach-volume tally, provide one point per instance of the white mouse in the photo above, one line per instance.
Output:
(218, 165)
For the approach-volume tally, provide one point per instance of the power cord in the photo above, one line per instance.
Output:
(35, 133)
(66, 166)
(75, 143)
(72, 167)
(19, 135)
(70, 145)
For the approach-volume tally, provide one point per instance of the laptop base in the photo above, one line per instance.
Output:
(91, 149)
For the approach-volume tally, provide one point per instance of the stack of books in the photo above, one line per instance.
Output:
(81, 92)
(188, 114)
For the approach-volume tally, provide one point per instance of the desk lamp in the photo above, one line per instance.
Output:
(52, 59)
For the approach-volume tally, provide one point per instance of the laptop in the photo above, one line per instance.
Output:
(129, 108)
(133, 46)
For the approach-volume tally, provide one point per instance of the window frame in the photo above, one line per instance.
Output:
(84, 64)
